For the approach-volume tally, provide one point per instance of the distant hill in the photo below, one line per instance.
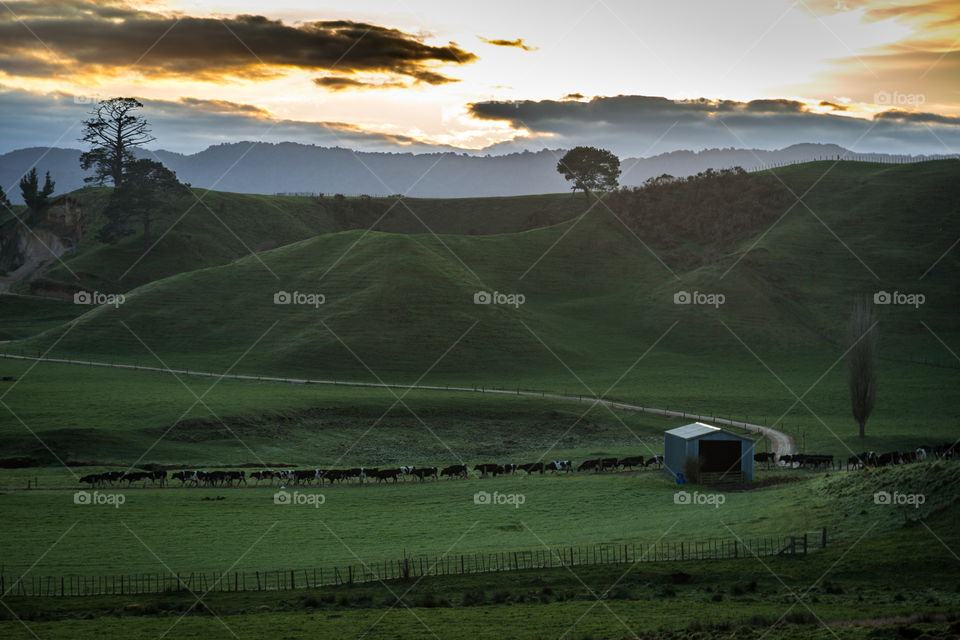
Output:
(289, 167)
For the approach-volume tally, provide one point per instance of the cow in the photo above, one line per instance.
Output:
(94, 479)
(510, 469)
(590, 465)
(305, 476)
(531, 467)
(426, 472)
(609, 463)
(111, 476)
(406, 471)
(921, 454)
(632, 461)
(558, 465)
(240, 477)
(331, 475)
(655, 460)
(385, 474)
(768, 457)
(486, 468)
(136, 476)
(889, 458)
(455, 471)
(262, 475)
(159, 476)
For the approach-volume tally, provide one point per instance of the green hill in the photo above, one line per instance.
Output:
(599, 309)
(215, 228)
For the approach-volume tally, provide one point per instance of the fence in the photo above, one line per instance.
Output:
(411, 567)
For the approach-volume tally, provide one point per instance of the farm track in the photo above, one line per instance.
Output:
(780, 443)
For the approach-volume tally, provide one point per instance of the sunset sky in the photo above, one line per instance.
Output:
(640, 77)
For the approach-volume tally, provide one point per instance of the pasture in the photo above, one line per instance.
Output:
(188, 529)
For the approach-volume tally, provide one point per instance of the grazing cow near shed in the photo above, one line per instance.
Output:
(632, 461)
(455, 471)
(768, 457)
(655, 460)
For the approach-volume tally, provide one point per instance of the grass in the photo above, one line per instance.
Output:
(856, 589)
(363, 522)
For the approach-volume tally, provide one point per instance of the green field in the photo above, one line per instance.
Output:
(852, 590)
(598, 320)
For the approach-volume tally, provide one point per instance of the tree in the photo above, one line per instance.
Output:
(862, 336)
(147, 189)
(113, 131)
(590, 169)
(34, 196)
(4, 201)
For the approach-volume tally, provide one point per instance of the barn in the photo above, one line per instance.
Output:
(721, 456)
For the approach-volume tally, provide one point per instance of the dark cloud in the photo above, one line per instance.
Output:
(574, 96)
(919, 117)
(646, 125)
(344, 83)
(103, 38)
(500, 42)
(833, 106)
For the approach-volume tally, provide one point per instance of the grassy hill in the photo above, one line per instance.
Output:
(215, 228)
(599, 310)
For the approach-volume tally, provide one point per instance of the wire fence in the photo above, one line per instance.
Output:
(410, 567)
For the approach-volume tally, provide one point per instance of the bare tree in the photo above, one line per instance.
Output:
(862, 334)
(113, 131)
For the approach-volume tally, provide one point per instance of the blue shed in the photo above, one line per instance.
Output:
(720, 455)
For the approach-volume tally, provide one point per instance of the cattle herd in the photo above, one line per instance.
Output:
(303, 477)
(867, 459)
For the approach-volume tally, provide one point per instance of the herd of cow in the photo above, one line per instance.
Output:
(945, 451)
(300, 477)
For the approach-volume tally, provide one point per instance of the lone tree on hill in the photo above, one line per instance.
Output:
(590, 169)
(113, 131)
(862, 336)
(33, 194)
(147, 190)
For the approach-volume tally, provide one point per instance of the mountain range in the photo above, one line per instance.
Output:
(290, 167)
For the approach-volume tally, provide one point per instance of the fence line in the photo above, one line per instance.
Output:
(409, 567)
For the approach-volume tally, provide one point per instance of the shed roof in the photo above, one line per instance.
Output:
(693, 430)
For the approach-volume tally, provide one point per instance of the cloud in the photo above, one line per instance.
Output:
(500, 42)
(833, 106)
(79, 38)
(647, 125)
(185, 125)
(920, 117)
(344, 83)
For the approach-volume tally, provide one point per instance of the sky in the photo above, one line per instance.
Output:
(638, 77)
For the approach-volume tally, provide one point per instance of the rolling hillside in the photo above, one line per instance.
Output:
(599, 311)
